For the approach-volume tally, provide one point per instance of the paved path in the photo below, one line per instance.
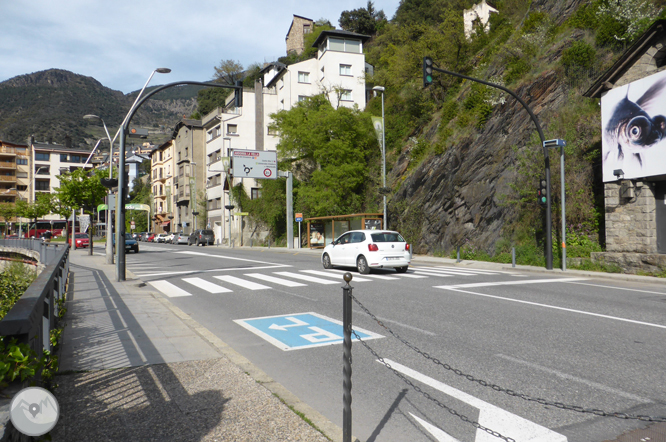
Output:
(134, 367)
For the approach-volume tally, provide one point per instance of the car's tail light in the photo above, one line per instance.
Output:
(407, 247)
(373, 247)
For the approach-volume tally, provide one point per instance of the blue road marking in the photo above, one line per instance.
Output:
(300, 330)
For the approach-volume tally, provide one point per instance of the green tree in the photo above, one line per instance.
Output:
(35, 210)
(7, 211)
(330, 147)
(362, 20)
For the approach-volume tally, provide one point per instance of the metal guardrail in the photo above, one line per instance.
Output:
(34, 315)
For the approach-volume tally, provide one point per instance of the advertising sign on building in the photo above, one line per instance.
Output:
(255, 164)
(633, 125)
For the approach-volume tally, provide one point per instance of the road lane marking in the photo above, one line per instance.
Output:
(582, 312)
(411, 275)
(490, 416)
(231, 269)
(436, 432)
(493, 284)
(576, 379)
(169, 289)
(241, 282)
(467, 269)
(620, 288)
(330, 274)
(300, 330)
(275, 280)
(447, 272)
(307, 278)
(230, 257)
(206, 285)
(407, 326)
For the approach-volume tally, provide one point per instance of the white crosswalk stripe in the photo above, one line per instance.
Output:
(410, 275)
(275, 280)
(330, 274)
(307, 278)
(169, 289)
(242, 282)
(207, 286)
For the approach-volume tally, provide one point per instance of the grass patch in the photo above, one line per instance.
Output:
(302, 416)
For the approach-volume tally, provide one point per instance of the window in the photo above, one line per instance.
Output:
(42, 156)
(281, 84)
(255, 193)
(186, 151)
(42, 170)
(63, 157)
(345, 69)
(302, 98)
(272, 130)
(21, 174)
(344, 45)
(232, 129)
(304, 77)
(42, 185)
(307, 29)
(180, 171)
(22, 161)
(22, 188)
(75, 159)
(160, 156)
(346, 95)
(214, 133)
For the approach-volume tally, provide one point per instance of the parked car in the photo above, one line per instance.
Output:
(149, 237)
(368, 249)
(181, 238)
(201, 237)
(160, 237)
(169, 238)
(81, 240)
(136, 235)
(145, 235)
(131, 244)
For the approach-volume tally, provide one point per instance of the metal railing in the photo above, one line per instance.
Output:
(35, 314)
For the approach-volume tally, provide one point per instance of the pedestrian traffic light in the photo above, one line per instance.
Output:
(238, 94)
(542, 193)
(427, 71)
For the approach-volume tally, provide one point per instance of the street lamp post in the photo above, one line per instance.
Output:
(109, 236)
(381, 89)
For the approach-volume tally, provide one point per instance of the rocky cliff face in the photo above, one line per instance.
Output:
(456, 197)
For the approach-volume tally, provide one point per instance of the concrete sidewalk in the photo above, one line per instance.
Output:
(133, 367)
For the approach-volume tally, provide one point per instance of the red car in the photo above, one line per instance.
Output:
(81, 240)
(150, 237)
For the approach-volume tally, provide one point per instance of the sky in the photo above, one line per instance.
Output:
(121, 42)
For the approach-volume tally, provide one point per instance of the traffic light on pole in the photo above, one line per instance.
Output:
(542, 193)
(427, 71)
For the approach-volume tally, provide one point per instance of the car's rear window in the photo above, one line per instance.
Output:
(207, 232)
(387, 237)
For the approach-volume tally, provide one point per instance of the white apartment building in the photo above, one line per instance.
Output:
(338, 71)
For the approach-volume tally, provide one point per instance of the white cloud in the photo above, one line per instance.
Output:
(119, 43)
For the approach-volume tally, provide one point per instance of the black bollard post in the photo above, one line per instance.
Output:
(347, 358)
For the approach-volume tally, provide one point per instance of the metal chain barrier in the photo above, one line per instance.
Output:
(430, 398)
(495, 387)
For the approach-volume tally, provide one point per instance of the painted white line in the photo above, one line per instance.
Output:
(569, 377)
(620, 288)
(335, 275)
(307, 278)
(436, 432)
(232, 269)
(242, 282)
(582, 312)
(411, 275)
(497, 283)
(392, 278)
(169, 289)
(206, 285)
(275, 280)
(490, 416)
(450, 272)
(227, 257)
(462, 269)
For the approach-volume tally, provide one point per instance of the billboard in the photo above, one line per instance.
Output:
(633, 126)
(254, 164)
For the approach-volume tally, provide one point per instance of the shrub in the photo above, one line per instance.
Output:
(14, 281)
(578, 55)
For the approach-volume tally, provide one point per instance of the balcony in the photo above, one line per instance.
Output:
(8, 165)
(7, 179)
(6, 150)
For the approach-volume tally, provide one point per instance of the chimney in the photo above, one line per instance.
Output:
(68, 141)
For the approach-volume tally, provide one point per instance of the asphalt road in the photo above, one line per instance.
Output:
(590, 342)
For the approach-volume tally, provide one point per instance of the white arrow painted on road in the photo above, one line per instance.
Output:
(296, 323)
(440, 435)
(490, 416)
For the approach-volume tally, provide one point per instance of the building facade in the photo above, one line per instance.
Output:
(15, 161)
(300, 27)
(162, 186)
(190, 158)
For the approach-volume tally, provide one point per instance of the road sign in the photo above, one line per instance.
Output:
(132, 225)
(299, 217)
(258, 164)
(300, 330)
(241, 213)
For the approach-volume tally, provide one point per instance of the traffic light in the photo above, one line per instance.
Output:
(238, 94)
(542, 194)
(427, 71)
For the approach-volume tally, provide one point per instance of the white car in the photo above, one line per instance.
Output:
(368, 249)
(169, 238)
(160, 237)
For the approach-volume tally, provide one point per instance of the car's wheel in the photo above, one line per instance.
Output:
(362, 265)
(326, 261)
(188, 243)
(402, 269)
(136, 250)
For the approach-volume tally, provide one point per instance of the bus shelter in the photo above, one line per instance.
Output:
(324, 229)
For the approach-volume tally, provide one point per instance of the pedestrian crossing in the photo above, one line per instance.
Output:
(301, 278)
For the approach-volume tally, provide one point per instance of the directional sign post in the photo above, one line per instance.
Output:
(258, 164)
(299, 220)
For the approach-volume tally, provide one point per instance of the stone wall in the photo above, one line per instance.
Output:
(646, 65)
(296, 36)
(631, 223)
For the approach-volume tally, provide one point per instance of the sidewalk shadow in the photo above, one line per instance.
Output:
(143, 402)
